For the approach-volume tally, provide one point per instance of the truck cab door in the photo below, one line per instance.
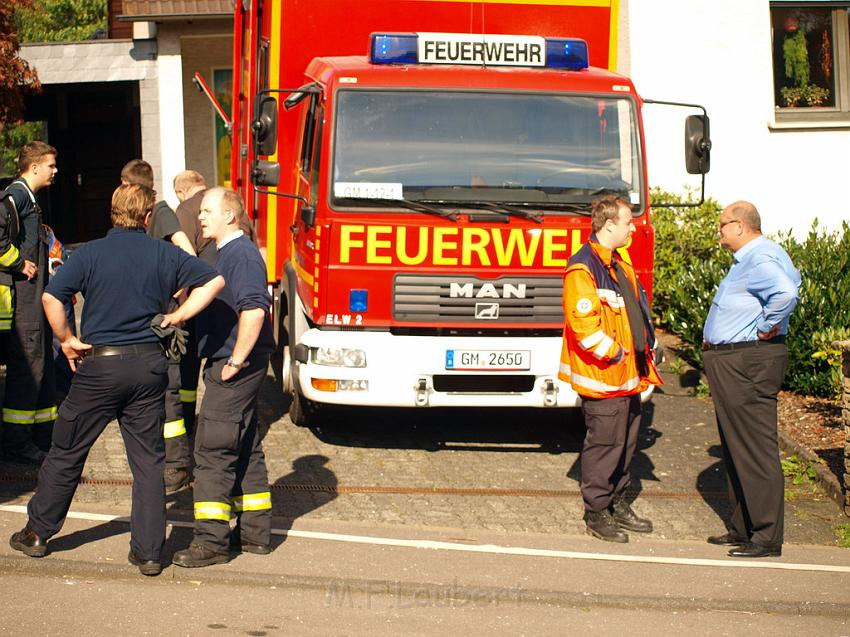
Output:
(306, 234)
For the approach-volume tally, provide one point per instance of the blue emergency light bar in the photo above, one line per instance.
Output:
(394, 48)
(478, 50)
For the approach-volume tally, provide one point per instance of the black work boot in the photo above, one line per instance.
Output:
(626, 518)
(199, 555)
(601, 524)
(151, 568)
(28, 542)
(238, 545)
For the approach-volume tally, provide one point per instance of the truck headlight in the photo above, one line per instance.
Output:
(338, 356)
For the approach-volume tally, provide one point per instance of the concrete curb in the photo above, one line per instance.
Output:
(339, 591)
(825, 477)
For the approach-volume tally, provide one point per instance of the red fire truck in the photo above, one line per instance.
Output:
(419, 172)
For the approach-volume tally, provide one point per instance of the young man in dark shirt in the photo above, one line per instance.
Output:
(235, 336)
(163, 224)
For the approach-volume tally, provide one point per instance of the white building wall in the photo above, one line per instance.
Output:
(718, 53)
(172, 158)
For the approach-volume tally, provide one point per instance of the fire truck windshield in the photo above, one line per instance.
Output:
(531, 150)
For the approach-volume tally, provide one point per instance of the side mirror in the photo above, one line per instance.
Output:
(265, 173)
(697, 145)
(264, 126)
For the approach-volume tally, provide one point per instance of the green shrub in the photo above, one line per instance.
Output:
(822, 344)
(689, 264)
(823, 259)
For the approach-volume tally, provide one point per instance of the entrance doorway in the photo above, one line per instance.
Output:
(96, 128)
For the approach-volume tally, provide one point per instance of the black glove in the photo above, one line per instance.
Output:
(173, 338)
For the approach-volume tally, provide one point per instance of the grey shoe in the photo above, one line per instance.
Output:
(626, 518)
(602, 525)
(175, 479)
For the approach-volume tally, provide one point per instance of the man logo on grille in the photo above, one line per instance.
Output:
(486, 310)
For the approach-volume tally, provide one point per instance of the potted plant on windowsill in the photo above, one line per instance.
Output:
(791, 95)
(815, 95)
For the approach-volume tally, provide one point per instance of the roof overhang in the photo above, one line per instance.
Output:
(162, 10)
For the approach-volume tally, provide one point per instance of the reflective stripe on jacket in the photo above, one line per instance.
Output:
(596, 355)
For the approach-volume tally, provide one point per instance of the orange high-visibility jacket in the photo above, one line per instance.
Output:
(597, 356)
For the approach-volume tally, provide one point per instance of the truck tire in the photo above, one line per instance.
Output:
(302, 412)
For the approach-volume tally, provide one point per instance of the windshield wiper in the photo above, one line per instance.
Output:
(578, 208)
(496, 206)
(416, 206)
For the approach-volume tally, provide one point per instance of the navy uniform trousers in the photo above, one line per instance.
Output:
(231, 479)
(609, 446)
(178, 454)
(744, 384)
(128, 386)
(190, 369)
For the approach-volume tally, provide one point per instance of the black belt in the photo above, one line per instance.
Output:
(124, 350)
(776, 340)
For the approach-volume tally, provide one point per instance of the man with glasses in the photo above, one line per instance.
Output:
(745, 360)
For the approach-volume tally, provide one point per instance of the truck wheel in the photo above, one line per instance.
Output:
(302, 411)
(286, 372)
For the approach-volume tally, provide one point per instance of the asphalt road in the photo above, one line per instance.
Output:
(434, 487)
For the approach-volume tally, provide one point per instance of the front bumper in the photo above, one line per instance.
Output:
(400, 371)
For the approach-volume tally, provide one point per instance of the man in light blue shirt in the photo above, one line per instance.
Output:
(745, 359)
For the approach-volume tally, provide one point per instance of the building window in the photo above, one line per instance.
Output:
(811, 61)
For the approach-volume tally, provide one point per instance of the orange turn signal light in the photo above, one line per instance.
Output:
(324, 384)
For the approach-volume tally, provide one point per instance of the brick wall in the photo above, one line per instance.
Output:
(845, 417)
(118, 29)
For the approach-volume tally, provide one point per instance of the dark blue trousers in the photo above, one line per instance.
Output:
(131, 388)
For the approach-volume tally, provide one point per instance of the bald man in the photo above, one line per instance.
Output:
(745, 360)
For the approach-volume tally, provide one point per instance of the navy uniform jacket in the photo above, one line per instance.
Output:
(244, 272)
(126, 278)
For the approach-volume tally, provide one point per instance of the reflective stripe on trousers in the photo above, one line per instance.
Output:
(253, 501)
(174, 428)
(212, 511)
(7, 312)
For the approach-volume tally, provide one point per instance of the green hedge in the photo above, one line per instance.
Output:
(689, 264)
(823, 313)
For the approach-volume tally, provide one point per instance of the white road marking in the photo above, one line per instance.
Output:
(487, 548)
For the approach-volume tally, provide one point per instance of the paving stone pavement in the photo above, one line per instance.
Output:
(326, 472)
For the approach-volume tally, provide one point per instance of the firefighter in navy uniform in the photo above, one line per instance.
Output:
(29, 406)
(11, 263)
(189, 186)
(121, 371)
(163, 224)
(235, 336)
